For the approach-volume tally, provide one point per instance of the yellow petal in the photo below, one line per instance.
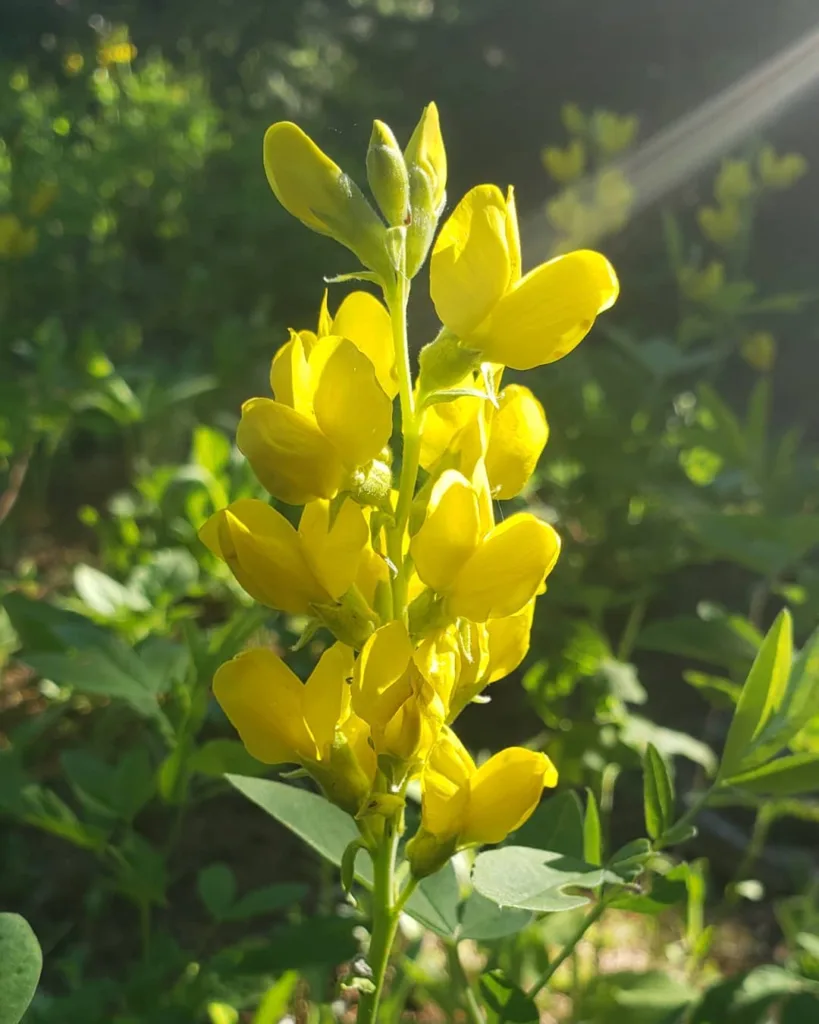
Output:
(291, 457)
(506, 570)
(425, 150)
(504, 793)
(334, 552)
(263, 700)
(372, 571)
(508, 642)
(327, 696)
(351, 408)
(443, 421)
(264, 553)
(445, 785)
(513, 237)
(381, 682)
(450, 532)
(364, 321)
(549, 312)
(517, 436)
(289, 376)
(471, 268)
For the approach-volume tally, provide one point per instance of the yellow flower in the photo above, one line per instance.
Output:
(462, 805)
(16, 240)
(311, 187)
(481, 575)
(573, 118)
(330, 417)
(701, 285)
(480, 296)
(612, 132)
(116, 53)
(518, 432)
(720, 225)
(284, 721)
(404, 709)
(283, 568)
(364, 321)
(734, 183)
(564, 165)
(780, 172)
(759, 350)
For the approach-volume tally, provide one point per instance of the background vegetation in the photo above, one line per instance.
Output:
(146, 277)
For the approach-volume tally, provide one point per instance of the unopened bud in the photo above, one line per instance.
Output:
(387, 175)
(443, 363)
(425, 158)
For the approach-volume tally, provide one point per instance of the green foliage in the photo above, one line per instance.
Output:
(21, 961)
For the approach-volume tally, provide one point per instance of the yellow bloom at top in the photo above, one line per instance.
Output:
(480, 296)
(462, 805)
(330, 415)
(780, 172)
(284, 721)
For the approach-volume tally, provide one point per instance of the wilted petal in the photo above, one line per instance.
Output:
(518, 434)
(504, 793)
(549, 312)
(263, 700)
(450, 532)
(470, 267)
(506, 570)
(291, 457)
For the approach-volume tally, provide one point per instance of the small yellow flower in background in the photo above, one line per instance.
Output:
(42, 198)
(73, 63)
(612, 132)
(780, 172)
(734, 183)
(463, 805)
(480, 296)
(720, 225)
(116, 53)
(759, 350)
(573, 118)
(564, 165)
(16, 240)
(702, 285)
(284, 721)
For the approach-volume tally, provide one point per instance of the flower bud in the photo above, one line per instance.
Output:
(387, 175)
(445, 362)
(425, 158)
(313, 188)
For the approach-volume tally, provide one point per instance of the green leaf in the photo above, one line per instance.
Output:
(664, 893)
(266, 900)
(216, 758)
(800, 1009)
(800, 705)
(628, 862)
(786, 776)
(276, 1001)
(43, 627)
(21, 962)
(106, 596)
(592, 833)
(658, 793)
(650, 997)
(329, 831)
(746, 999)
(518, 876)
(716, 640)
(762, 693)
(506, 1000)
(767, 545)
(556, 825)
(638, 732)
(483, 920)
(216, 885)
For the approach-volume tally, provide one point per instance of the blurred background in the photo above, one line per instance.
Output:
(147, 275)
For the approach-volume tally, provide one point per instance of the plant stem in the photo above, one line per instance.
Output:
(385, 914)
(631, 629)
(457, 975)
(397, 298)
(568, 949)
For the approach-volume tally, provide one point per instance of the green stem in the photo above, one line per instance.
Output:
(765, 817)
(397, 298)
(631, 629)
(568, 949)
(466, 994)
(385, 912)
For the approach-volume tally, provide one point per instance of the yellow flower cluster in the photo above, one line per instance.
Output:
(429, 599)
